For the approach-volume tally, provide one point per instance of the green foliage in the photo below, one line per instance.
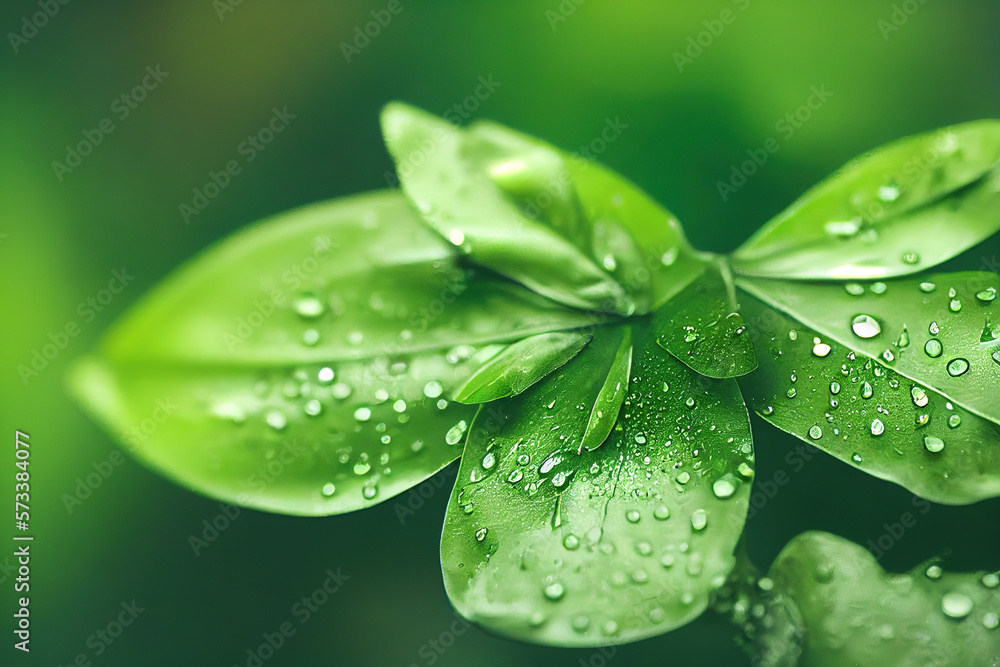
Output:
(548, 314)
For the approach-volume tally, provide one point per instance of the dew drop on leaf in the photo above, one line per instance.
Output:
(878, 288)
(854, 289)
(933, 348)
(724, 487)
(699, 519)
(821, 349)
(329, 489)
(955, 305)
(661, 513)
(867, 391)
(987, 295)
(433, 389)
(865, 326)
(933, 445)
(956, 605)
(954, 421)
(308, 306)
(878, 428)
(815, 432)
(276, 419)
(555, 591)
(934, 572)
(633, 516)
(958, 366)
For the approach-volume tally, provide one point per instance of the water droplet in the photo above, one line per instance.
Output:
(276, 419)
(661, 513)
(689, 402)
(889, 192)
(933, 445)
(724, 487)
(481, 534)
(956, 605)
(934, 572)
(991, 579)
(580, 623)
(640, 439)
(699, 519)
(933, 348)
(325, 375)
(927, 288)
(523, 459)
(996, 356)
(684, 478)
(958, 366)
(865, 326)
(633, 516)
(571, 542)
(555, 591)
(489, 460)
(767, 411)
(310, 337)
(955, 305)
(904, 338)
(455, 433)
(911, 258)
(954, 421)
(313, 408)
(363, 414)
(793, 334)
(815, 432)
(888, 357)
(866, 390)
(920, 398)
(878, 428)
(559, 479)
(362, 466)
(515, 476)
(991, 620)
(308, 306)
(987, 295)
(821, 349)
(856, 457)
(854, 289)
(791, 393)
(610, 628)
(433, 389)
(669, 257)
(369, 491)
(456, 237)
(878, 288)
(329, 489)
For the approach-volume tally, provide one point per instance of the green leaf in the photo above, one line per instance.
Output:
(521, 365)
(447, 175)
(703, 328)
(301, 366)
(941, 330)
(855, 613)
(609, 546)
(899, 209)
(866, 414)
(608, 403)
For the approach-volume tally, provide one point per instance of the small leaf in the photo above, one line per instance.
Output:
(609, 546)
(521, 365)
(608, 403)
(899, 209)
(941, 330)
(302, 365)
(447, 176)
(703, 328)
(865, 414)
(855, 613)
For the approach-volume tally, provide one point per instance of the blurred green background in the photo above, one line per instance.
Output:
(562, 71)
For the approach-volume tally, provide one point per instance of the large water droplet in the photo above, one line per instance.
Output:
(933, 348)
(308, 306)
(815, 432)
(866, 390)
(854, 289)
(329, 489)
(958, 366)
(455, 433)
(920, 398)
(661, 513)
(865, 326)
(699, 519)
(633, 516)
(821, 349)
(724, 487)
(933, 445)
(889, 192)
(555, 591)
(481, 534)
(987, 295)
(276, 419)
(927, 288)
(955, 305)
(878, 428)
(956, 605)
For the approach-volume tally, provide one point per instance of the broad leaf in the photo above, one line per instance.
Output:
(897, 210)
(702, 326)
(607, 405)
(303, 366)
(447, 176)
(855, 613)
(549, 545)
(941, 330)
(520, 365)
(853, 407)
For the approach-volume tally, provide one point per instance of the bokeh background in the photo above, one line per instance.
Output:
(562, 69)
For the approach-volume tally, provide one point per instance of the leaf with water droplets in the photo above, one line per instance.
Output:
(520, 365)
(607, 405)
(606, 546)
(209, 380)
(896, 210)
(855, 613)
(871, 416)
(703, 328)
(946, 349)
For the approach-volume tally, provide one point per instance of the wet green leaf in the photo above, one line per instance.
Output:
(865, 414)
(521, 365)
(899, 209)
(608, 403)
(450, 176)
(941, 330)
(702, 327)
(303, 366)
(855, 613)
(549, 545)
